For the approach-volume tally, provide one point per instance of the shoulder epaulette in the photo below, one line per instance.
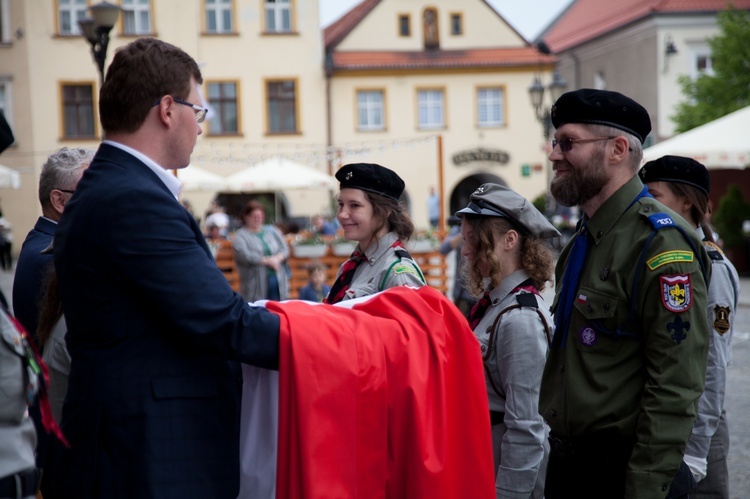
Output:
(714, 252)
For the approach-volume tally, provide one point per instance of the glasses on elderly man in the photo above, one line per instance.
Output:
(200, 112)
(566, 144)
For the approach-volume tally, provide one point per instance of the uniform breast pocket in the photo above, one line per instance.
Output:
(596, 327)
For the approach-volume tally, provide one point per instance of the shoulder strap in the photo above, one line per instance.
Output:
(527, 300)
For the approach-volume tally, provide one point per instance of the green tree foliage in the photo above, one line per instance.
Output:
(728, 218)
(711, 97)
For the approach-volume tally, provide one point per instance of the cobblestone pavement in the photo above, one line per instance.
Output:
(737, 400)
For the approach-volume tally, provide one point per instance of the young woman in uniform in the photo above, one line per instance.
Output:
(370, 213)
(507, 265)
(682, 185)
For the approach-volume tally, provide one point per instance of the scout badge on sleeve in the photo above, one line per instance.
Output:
(721, 319)
(676, 292)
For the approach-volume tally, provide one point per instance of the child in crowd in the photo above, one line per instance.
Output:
(316, 289)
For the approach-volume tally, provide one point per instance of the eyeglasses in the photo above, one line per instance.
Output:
(200, 112)
(64, 190)
(566, 144)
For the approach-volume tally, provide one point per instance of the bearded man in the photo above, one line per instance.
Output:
(628, 358)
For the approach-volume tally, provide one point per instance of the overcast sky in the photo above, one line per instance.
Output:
(528, 17)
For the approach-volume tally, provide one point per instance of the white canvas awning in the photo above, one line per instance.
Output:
(198, 179)
(277, 174)
(722, 143)
(9, 178)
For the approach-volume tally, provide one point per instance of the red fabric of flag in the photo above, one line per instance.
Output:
(386, 399)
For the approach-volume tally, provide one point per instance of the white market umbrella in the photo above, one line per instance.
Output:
(277, 174)
(9, 178)
(722, 143)
(198, 179)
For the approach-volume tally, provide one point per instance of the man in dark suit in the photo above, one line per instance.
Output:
(152, 406)
(60, 175)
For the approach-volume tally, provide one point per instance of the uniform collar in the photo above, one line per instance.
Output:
(612, 209)
(379, 248)
(508, 284)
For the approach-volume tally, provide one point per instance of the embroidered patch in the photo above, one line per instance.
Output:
(721, 319)
(676, 292)
(401, 269)
(669, 257)
(587, 337)
(678, 328)
(582, 299)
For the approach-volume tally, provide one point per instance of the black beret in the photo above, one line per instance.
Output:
(677, 169)
(371, 178)
(602, 107)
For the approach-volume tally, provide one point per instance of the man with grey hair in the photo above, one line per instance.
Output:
(627, 362)
(60, 175)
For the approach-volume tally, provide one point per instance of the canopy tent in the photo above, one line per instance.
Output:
(198, 179)
(276, 174)
(9, 178)
(722, 143)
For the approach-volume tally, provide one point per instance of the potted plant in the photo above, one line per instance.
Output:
(423, 242)
(310, 247)
(342, 247)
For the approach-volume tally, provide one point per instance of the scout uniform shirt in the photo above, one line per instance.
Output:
(723, 293)
(513, 356)
(640, 379)
(383, 269)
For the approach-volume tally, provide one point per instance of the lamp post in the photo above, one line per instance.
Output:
(96, 31)
(536, 92)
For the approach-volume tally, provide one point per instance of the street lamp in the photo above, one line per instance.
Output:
(536, 92)
(96, 31)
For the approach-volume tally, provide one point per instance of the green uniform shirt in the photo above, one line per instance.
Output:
(646, 385)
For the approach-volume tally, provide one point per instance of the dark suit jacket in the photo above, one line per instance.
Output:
(152, 405)
(31, 269)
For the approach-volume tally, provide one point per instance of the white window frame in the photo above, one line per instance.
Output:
(279, 8)
(219, 9)
(430, 108)
(489, 105)
(77, 11)
(5, 36)
(370, 110)
(136, 8)
(696, 52)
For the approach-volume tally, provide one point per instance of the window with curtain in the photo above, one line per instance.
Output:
(490, 107)
(370, 110)
(78, 110)
(136, 17)
(282, 106)
(69, 12)
(222, 96)
(219, 16)
(430, 109)
(278, 16)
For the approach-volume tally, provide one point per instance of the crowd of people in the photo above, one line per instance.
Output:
(166, 383)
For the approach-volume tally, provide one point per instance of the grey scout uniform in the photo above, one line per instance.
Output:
(383, 269)
(513, 372)
(644, 380)
(17, 435)
(723, 293)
